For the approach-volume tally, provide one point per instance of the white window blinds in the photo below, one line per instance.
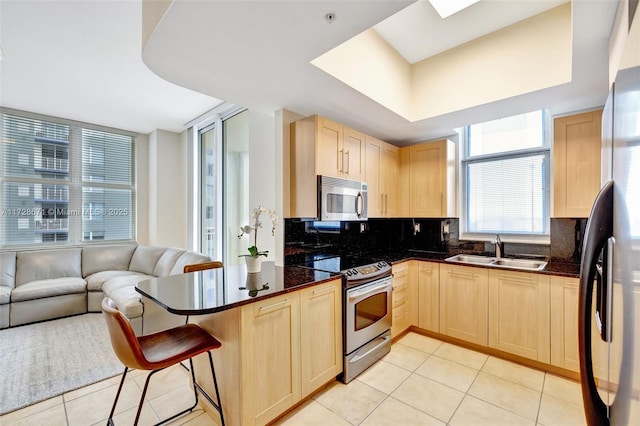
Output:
(506, 176)
(64, 183)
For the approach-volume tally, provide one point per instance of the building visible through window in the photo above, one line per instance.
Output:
(47, 196)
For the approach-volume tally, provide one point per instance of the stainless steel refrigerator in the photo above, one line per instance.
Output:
(610, 269)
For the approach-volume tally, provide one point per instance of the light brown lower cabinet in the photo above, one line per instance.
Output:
(320, 335)
(564, 329)
(464, 302)
(274, 352)
(519, 313)
(429, 296)
(271, 381)
(404, 300)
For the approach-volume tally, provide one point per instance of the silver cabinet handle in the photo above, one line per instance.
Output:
(340, 160)
(264, 308)
(348, 158)
(323, 290)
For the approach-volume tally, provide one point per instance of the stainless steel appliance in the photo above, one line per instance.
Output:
(366, 310)
(341, 199)
(611, 263)
(367, 325)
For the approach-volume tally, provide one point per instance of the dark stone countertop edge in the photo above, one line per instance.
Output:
(554, 267)
(289, 288)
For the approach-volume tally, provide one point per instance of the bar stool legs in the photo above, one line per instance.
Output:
(196, 388)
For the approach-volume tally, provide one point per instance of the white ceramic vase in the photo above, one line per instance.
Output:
(254, 264)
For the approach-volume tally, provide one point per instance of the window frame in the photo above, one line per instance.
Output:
(466, 159)
(75, 183)
(211, 120)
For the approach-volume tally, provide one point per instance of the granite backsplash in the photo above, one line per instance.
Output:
(392, 234)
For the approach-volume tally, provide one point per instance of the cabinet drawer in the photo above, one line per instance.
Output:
(400, 298)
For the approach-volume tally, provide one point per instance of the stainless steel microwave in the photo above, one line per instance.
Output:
(341, 199)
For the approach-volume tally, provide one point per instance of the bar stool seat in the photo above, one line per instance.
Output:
(157, 351)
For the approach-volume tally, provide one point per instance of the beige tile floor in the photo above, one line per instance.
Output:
(423, 381)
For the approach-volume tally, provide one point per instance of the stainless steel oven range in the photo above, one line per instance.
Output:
(366, 311)
(367, 318)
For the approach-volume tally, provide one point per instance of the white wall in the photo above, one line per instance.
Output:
(264, 164)
(167, 189)
(162, 183)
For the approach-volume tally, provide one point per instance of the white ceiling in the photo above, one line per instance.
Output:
(82, 60)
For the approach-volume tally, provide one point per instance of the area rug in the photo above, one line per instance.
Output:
(40, 361)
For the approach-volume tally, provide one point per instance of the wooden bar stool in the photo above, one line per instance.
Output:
(157, 351)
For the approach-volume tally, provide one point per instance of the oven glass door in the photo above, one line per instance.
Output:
(368, 312)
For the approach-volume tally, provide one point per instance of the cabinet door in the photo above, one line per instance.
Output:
(373, 177)
(320, 334)
(576, 163)
(353, 152)
(519, 314)
(432, 179)
(401, 299)
(389, 180)
(270, 358)
(429, 296)
(329, 153)
(464, 303)
(564, 333)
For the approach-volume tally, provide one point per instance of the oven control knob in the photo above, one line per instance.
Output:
(354, 272)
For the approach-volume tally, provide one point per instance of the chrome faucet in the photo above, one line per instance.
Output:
(499, 246)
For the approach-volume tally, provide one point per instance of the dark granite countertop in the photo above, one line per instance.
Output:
(554, 266)
(216, 290)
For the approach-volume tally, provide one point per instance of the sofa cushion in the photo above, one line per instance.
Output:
(188, 258)
(97, 280)
(8, 269)
(47, 264)
(48, 288)
(166, 262)
(130, 280)
(145, 258)
(127, 299)
(5, 294)
(106, 258)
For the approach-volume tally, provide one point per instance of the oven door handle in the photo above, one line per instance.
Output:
(358, 357)
(358, 294)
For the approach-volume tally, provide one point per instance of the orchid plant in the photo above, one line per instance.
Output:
(247, 229)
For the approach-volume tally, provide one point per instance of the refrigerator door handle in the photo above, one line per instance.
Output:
(598, 231)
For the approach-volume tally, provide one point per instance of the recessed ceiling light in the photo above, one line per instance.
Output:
(446, 8)
(330, 17)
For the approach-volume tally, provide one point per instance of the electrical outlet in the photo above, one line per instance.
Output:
(363, 227)
(416, 228)
(445, 228)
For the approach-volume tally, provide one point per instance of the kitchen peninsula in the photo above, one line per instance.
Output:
(281, 333)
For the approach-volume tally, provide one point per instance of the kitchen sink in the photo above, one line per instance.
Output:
(524, 264)
(467, 258)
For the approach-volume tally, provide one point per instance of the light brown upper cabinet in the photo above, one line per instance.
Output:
(381, 175)
(576, 163)
(432, 179)
(320, 146)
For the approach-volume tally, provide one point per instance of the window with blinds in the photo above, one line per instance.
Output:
(506, 176)
(64, 182)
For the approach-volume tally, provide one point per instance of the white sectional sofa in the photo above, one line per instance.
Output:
(44, 284)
